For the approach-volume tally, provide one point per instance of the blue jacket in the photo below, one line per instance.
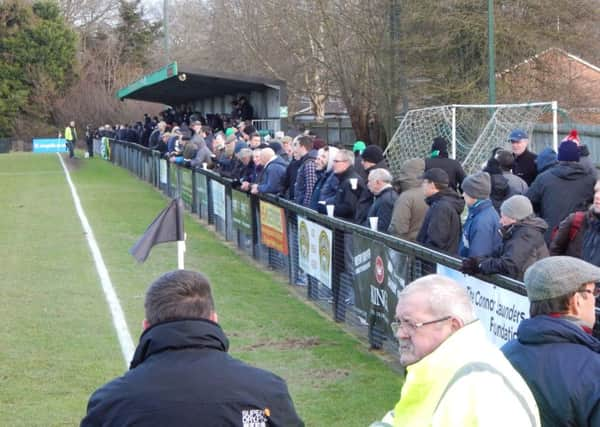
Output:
(561, 364)
(272, 176)
(382, 208)
(481, 236)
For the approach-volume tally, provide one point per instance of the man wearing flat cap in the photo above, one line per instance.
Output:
(555, 351)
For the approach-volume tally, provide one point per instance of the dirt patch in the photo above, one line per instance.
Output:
(287, 344)
(73, 164)
(328, 375)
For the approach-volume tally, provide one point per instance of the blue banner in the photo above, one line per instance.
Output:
(49, 145)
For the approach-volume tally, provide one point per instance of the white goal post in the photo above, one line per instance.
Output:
(472, 131)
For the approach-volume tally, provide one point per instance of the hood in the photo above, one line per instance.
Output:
(545, 159)
(408, 177)
(569, 171)
(531, 221)
(450, 196)
(279, 161)
(545, 329)
(180, 334)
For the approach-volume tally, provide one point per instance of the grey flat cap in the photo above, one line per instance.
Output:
(557, 276)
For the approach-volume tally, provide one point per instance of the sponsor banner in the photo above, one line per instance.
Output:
(499, 309)
(273, 231)
(162, 164)
(379, 276)
(242, 215)
(314, 244)
(218, 198)
(49, 145)
(186, 187)
(202, 192)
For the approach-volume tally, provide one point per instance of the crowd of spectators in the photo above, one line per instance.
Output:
(519, 208)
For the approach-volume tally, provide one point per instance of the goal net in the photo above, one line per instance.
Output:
(472, 131)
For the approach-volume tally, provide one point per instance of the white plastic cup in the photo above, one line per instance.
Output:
(330, 209)
(354, 183)
(204, 165)
(373, 220)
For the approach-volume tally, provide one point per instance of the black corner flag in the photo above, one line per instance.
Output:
(167, 227)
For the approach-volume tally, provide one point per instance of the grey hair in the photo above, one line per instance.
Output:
(381, 174)
(445, 297)
(244, 152)
(347, 155)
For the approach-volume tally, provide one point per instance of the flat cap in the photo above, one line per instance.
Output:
(557, 276)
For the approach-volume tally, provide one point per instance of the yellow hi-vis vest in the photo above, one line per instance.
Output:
(70, 135)
(466, 381)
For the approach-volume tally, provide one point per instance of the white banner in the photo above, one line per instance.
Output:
(500, 310)
(163, 171)
(218, 198)
(314, 246)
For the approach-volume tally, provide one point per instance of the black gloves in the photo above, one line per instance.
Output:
(470, 265)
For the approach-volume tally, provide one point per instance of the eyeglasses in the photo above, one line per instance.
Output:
(339, 161)
(595, 292)
(410, 327)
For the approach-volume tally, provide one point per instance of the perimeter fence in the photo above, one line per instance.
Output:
(348, 271)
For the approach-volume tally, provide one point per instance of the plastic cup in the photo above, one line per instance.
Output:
(204, 165)
(330, 209)
(373, 220)
(354, 183)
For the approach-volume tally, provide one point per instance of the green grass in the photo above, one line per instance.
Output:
(57, 343)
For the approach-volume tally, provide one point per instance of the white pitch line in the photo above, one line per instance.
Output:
(119, 322)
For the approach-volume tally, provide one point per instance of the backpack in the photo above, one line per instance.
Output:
(576, 223)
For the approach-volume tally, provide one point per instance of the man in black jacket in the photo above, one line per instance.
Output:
(439, 159)
(524, 165)
(181, 373)
(353, 199)
(441, 228)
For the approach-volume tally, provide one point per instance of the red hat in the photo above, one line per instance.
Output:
(573, 136)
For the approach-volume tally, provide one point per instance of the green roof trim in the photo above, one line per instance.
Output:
(166, 72)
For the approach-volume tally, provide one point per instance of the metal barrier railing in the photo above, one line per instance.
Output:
(348, 271)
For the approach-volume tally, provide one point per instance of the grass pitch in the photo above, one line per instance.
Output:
(57, 342)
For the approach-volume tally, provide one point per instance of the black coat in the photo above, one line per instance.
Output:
(382, 208)
(453, 168)
(561, 190)
(352, 205)
(181, 375)
(523, 244)
(591, 239)
(441, 228)
(525, 167)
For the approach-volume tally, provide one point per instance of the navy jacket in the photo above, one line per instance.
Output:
(382, 208)
(181, 375)
(272, 176)
(561, 190)
(525, 166)
(481, 236)
(561, 364)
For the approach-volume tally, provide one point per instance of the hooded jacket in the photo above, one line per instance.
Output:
(181, 375)
(272, 176)
(523, 244)
(441, 227)
(410, 207)
(561, 364)
(480, 236)
(559, 191)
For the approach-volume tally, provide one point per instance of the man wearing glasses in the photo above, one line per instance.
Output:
(454, 375)
(555, 351)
